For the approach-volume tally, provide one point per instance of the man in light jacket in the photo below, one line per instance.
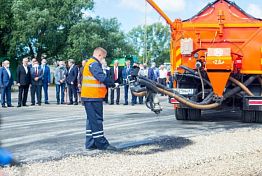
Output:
(60, 82)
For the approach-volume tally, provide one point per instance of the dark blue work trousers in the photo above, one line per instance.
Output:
(94, 125)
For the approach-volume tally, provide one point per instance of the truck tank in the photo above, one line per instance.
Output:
(216, 62)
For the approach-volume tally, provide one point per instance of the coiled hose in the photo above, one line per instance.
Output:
(205, 104)
(158, 88)
(238, 89)
(242, 86)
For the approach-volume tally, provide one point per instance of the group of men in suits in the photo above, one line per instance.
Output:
(121, 76)
(38, 76)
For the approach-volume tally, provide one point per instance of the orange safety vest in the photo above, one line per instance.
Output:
(91, 87)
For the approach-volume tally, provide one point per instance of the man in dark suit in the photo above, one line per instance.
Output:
(46, 78)
(71, 81)
(6, 82)
(116, 75)
(23, 81)
(36, 83)
(126, 73)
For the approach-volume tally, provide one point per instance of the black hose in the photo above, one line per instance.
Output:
(152, 85)
(238, 89)
(207, 100)
(196, 77)
(148, 85)
(188, 69)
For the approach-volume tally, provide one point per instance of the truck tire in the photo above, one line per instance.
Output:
(248, 116)
(194, 114)
(259, 117)
(181, 113)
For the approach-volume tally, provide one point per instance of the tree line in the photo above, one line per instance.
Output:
(58, 29)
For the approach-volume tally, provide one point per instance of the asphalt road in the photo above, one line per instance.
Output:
(53, 131)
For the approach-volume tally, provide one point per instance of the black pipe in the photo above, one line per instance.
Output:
(152, 85)
(196, 77)
(148, 85)
(188, 69)
(238, 89)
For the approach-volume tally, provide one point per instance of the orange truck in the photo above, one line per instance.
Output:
(216, 61)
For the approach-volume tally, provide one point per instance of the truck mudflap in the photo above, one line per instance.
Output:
(252, 103)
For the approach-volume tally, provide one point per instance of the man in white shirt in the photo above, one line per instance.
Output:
(116, 75)
(162, 75)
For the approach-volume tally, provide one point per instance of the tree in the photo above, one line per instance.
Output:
(157, 42)
(6, 19)
(43, 26)
(90, 33)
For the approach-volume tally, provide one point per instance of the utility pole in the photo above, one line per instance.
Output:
(145, 35)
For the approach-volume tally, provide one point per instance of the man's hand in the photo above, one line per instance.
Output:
(79, 85)
(72, 83)
(18, 84)
(36, 79)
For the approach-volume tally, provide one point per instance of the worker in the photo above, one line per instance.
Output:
(93, 92)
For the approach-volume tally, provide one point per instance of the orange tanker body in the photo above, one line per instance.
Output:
(216, 57)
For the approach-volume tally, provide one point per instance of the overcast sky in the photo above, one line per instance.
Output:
(131, 13)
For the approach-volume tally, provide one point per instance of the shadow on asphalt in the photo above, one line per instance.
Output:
(156, 145)
(220, 116)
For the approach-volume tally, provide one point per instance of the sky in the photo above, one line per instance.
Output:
(131, 13)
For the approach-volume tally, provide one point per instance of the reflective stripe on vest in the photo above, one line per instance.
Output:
(91, 87)
(89, 78)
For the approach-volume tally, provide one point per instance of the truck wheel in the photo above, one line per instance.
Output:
(181, 114)
(259, 117)
(248, 116)
(194, 114)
